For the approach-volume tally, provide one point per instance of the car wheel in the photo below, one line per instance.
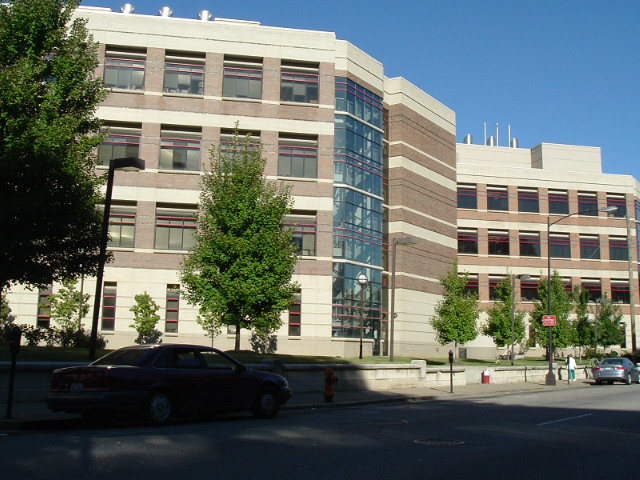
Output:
(267, 403)
(627, 381)
(610, 382)
(598, 382)
(159, 408)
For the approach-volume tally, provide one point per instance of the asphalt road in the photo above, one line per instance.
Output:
(573, 433)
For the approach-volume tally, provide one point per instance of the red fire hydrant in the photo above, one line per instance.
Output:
(329, 380)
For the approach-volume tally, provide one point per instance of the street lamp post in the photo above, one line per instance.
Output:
(632, 302)
(513, 312)
(392, 313)
(362, 280)
(551, 378)
(128, 163)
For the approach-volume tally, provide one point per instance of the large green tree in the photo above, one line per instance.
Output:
(584, 335)
(49, 221)
(456, 314)
(498, 325)
(562, 304)
(68, 307)
(240, 269)
(610, 329)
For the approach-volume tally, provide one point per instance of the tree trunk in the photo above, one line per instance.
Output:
(237, 346)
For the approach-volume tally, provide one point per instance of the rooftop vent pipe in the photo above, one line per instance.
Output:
(468, 139)
(127, 8)
(491, 142)
(204, 15)
(514, 142)
(165, 12)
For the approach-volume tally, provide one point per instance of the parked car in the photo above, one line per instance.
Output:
(616, 370)
(160, 381)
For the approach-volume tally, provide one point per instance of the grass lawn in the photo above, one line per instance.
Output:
(59, 354)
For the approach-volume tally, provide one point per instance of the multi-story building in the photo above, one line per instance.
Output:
(519, 209)
(369, 159)
(374, 166)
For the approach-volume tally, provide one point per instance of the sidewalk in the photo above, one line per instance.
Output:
(32, 415)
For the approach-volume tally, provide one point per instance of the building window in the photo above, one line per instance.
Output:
(172, 309)
(589, 247)
(467, 197)
(529, 244)
(494, 281)
(620, 291)
(227, 138)
(299, 82)
(568, 286)
(472, 286)
(184, 73)
(124, 69)
(242, 78)
(529, 289)
(594, 288)
(179, 150)
(528, 200)
(588, 203)
(468, 241)
(497, 198)
(619, 201)
(498, 242)
(109, 306)
(297, 156)
(303, 226)
(359, 102)
(295, 318)
(44, 307)
(618, 248)
(558, 202)
(175, 228)
(559, 245)
(120, 142)
(122, 226)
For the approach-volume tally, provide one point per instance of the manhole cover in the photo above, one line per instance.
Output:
(389, 422)
(445, 443)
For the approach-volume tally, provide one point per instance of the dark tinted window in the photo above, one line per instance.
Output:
(128, 356)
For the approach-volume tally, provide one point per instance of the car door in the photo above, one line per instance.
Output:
(186, 374)
(232, 388)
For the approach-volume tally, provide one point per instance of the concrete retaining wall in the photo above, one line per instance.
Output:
(32, 379)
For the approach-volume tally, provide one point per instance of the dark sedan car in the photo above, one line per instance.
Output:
(616, 370)
(159, 381)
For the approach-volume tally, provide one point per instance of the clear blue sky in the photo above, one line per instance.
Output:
(557, 71)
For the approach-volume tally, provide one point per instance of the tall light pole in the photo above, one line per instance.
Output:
(551, 378)
(513, 312)
(362, 280)
(392, 313)
(131, 164)
(632, 301)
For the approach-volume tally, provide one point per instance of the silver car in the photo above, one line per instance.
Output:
(616, 370)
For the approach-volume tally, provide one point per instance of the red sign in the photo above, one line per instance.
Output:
(549, 321)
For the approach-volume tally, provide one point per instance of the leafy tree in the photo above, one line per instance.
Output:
(210, 323)
(562, 303)
(610, 330)
(241, 266)
(584, 333)
(456, 313)
(145, 319)
(49, 221)
(68, 308)
(499, 324)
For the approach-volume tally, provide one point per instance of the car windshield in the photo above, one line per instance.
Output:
(128, 356)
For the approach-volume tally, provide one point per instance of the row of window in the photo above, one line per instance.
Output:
(172, 309)
(184, 73)
(497, 198)
(499, 243)
(529, 288)
(175, 228)
(180, 149)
